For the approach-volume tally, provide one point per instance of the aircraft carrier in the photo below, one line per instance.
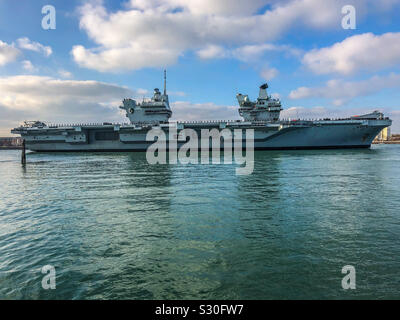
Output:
(262, 115)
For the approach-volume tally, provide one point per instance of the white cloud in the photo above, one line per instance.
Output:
(27, 44)
(275, 95)
(247, 53)
(48, 99)
(142, 92)
(212, 52)
(65, 74)
(341, 92)
(155, 33)
(35, 92)
(8, 53)
(220, 7)
(184, 110)
(360, 52)
(120, 59)
(28, 66)
(250, 53)
(269, 73)
(176, 93)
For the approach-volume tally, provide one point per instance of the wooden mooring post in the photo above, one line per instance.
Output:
(23, 155)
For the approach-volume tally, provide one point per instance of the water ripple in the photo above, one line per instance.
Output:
(115, 227)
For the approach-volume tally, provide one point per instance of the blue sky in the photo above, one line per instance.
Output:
(102, 51)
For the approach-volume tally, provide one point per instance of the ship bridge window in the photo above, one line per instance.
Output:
(107, 135)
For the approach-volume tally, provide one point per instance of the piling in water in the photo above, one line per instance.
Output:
(23, 155)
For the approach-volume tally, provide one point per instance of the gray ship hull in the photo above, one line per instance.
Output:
(281, 135)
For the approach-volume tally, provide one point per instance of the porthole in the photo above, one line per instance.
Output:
(131, 110)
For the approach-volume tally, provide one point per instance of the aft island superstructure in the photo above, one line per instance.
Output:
(262, 115)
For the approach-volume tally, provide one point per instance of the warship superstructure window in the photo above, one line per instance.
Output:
(107, 135)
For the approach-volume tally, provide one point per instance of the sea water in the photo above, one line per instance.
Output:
(115, 227)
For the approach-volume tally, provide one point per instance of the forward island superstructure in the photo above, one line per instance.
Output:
(262, 115)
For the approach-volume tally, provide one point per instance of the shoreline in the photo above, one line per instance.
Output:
(397, 141)
(374, 143)
(386, 142)
(10, 148)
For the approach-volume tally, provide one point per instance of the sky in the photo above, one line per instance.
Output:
(96, 53)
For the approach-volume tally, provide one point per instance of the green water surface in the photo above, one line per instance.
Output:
(115, 227)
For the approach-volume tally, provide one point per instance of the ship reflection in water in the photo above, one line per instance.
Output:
(115, 227)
